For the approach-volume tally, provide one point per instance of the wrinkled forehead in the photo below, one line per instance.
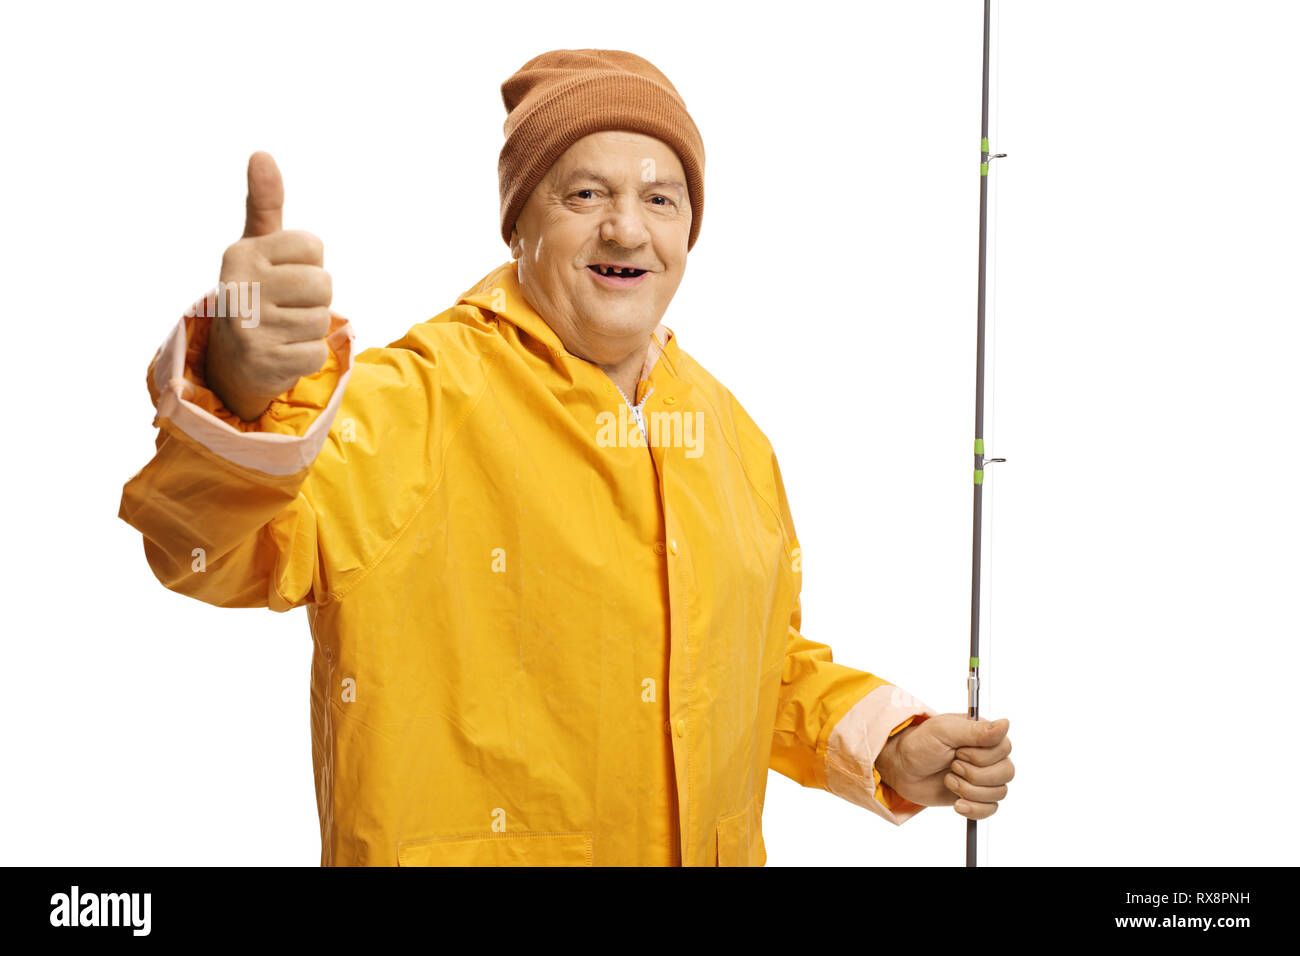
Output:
(618, 157)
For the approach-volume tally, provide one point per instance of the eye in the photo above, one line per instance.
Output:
(664, 198)
(581, 191)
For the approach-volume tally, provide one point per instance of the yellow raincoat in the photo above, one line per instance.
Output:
(544, 633)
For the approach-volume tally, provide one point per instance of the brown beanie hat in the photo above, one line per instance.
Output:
(559, 97)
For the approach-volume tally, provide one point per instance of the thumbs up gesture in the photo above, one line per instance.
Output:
(250, 361)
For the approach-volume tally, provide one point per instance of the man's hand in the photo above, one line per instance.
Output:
(250, 363)
(950, 760)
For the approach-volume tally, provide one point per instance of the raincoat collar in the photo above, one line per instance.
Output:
(499, 292)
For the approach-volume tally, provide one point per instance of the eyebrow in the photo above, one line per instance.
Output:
(579, 174)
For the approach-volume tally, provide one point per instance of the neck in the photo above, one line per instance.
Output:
(627, 373)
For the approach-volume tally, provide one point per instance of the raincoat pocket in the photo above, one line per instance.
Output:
(492, 849)
(740, 836)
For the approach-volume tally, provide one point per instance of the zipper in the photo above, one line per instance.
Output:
(636, 409)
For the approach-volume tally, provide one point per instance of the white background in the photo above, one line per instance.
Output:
(1143, 561)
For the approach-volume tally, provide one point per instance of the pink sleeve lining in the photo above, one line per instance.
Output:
(856, 742)
(270, 452)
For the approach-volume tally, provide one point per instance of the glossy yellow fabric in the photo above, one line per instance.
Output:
(533, 645)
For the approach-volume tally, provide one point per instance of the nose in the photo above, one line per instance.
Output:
(625, 224)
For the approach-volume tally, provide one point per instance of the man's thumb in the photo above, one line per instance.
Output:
(982, 733)
(265, 196)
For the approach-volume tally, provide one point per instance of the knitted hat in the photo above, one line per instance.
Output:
(559, 97)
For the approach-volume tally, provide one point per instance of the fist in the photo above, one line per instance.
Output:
(950, 760)
(251, 359)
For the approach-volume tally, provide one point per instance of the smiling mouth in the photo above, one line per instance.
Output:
(622, 272)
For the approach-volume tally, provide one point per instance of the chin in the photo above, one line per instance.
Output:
(623, 318)
(617, 326)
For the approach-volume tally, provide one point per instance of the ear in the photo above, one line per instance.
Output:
(516, 244)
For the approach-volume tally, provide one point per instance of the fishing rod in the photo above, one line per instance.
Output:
(973, 680)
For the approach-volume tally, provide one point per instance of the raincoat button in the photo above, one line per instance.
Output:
(669, 400)
(659, 547)
(672, 546)
(668, 727)
(681, 728)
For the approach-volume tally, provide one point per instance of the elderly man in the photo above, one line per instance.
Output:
(551, 574)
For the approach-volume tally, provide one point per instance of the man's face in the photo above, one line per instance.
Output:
(613, 198)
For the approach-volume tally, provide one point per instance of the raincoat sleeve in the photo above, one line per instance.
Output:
(221, 504)
(832, 720)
